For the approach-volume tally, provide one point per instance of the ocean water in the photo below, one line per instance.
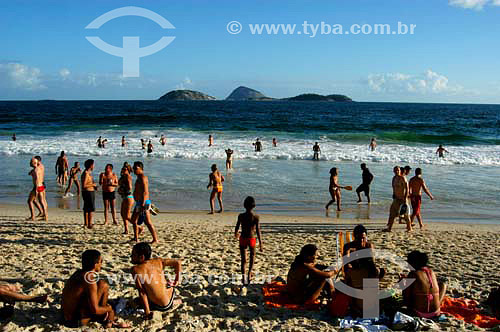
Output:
(284, 179)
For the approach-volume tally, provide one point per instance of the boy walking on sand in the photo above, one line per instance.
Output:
(249, 227)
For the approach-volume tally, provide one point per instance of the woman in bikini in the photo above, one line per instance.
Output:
(73, 177)
(125, 191)
(424, 296)
(334, 189)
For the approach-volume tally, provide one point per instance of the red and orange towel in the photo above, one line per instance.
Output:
(467, 311)
(275, 297)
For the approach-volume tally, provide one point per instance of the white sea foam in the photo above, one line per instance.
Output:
(194, 145)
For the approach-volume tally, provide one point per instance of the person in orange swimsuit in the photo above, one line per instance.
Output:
(215, 180)
(249, 223)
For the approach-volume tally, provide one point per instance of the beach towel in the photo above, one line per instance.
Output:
(275, 297)
(467, 310)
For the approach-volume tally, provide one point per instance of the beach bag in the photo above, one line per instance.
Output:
(403, 209)
(339, 305)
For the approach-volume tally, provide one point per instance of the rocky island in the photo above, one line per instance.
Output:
(185, 95)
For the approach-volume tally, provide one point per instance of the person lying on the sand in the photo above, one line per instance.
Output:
(424, 296)
(306, 280)
(10, 294)
(155, 294)
(85, 297)
(249, 227)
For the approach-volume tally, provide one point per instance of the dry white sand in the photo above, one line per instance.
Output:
(40, 256)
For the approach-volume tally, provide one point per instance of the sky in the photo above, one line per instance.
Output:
(452, 56)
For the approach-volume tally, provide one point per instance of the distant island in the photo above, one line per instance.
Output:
(243, 93)
(185, 95)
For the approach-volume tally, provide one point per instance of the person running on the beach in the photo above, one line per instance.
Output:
(306, 280)
(155, 292)
(417, 184)
(229, 159)
(150, 147)
(36, 197)
(10, 294)
(124, 142)
(85, 297)
(257, 145)
(61, 168)
(275, 142)
(73, 177)
(316, 150)
(334, 189)
(125, 191)
(250, 226)
(14, 138)
(215, 180)
(163, 140)
(400, 198)
(440, 151)
(108, 181)
(373, 144)
(142, 203)
(367, 178)
(210, 140)
(422, 293)
(88, 193)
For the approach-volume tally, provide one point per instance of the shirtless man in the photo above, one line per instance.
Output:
(367, 178)
(257, 145)
(142, 203)
(275, 143)
(99, 142)
(210, 140)
(373, 144)
(215, 180)
(124, 142)
(109, 181)
(249, 227)
(10, 294)
(150, 147)
(42, 196)
(88, 193)
(155, 293)
(143, 144)
(85, 297)
(37, 194)
(229, 159)
(400, 196)
(423, 296)
(316, 150)
(14, 138)
(405, 171)
(163, 140)
(61, 167)
(417, 184)
(73, 177)
(440, 151)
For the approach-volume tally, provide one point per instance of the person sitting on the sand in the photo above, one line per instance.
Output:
(425, 294)
(85, 297)
(360, 268)
(249, 227)
(155, 294)
(306, 280)
(10, 294)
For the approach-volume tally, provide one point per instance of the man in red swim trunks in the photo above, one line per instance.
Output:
(37, 194)
(249, 226)
(417, 184)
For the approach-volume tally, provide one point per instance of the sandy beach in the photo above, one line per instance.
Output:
(40, 256)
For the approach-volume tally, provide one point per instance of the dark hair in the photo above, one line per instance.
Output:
(109, 165)
(76, 162)
(88, 163)
(363, 165)
(143, 249)
(62, 153)
(417, 259)
(333, 171)
(214, 167)
(306, 251)
(249, 203)
(358, 230)
(139, 164)
(89, 259)
(38, 158)
(418, 171)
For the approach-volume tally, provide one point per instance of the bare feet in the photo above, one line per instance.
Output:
(220, 211)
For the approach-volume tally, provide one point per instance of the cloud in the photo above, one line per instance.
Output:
(473, 4)
(186, 82)
(17, 75)
(429, 82)
(64, 73)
